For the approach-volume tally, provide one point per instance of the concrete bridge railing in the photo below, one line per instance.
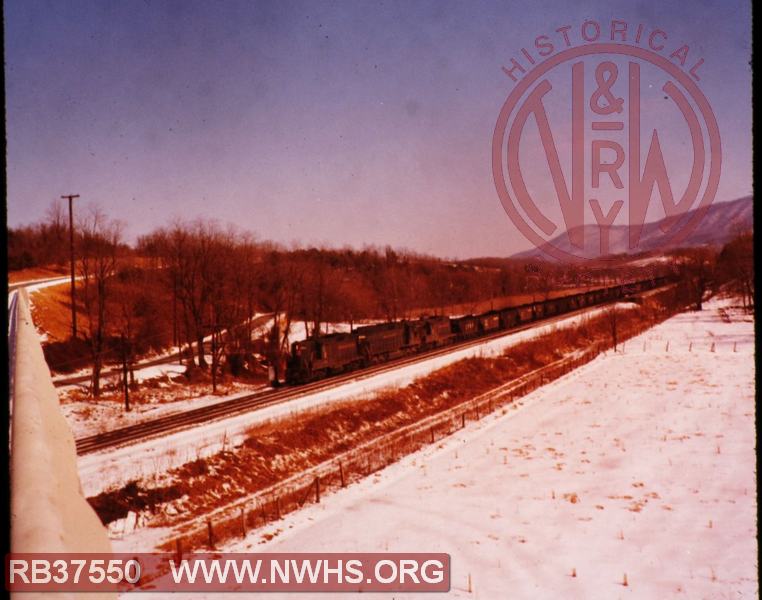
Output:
(49, 513)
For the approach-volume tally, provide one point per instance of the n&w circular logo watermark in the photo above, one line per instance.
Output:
(606, 143)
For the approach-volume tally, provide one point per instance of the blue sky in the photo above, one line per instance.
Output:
(319, 122)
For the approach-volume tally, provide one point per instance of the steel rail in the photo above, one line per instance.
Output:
(260, 400)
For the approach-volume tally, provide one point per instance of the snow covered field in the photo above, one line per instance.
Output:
(101, 470)
(640, 463)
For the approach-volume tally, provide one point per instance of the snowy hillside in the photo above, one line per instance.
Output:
(722, 221)
(641, 464)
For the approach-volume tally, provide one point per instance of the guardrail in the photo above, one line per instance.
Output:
(48, 510)
(12, 323)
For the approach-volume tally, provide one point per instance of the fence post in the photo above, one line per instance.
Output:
(432, 434)
(277, 507)
(243, 522)
(341, 473)
(317, 489)
(210, 533)
(463, 419)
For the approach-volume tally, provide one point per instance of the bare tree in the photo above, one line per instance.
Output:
(281, 289)
(186, 250)
(99, 241)
(735, 267)
(243, 297)
(697, 270)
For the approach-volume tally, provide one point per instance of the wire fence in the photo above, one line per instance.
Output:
(683, 346)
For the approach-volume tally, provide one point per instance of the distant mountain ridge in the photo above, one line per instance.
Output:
(721, 222)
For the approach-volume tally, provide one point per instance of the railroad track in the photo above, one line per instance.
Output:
(260, 400)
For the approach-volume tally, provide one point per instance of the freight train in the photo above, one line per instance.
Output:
(325, 355)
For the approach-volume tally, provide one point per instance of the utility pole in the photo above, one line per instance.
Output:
(175, 341)
(214, 327)
(214, 360)
(124, 375)
(71, 197)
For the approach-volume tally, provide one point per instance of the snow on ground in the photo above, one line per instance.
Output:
(146, 372)
(32, 287)
(162, 371)
(650, 260)
(639, 463)
(90, 417)
(39, 284)
(102, 470)
(111, 370)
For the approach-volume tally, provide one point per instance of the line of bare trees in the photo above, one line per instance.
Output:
(208, 272)
(707, 270)
(735, 267)
(41, 244)
(198, 286)
(219, 278)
